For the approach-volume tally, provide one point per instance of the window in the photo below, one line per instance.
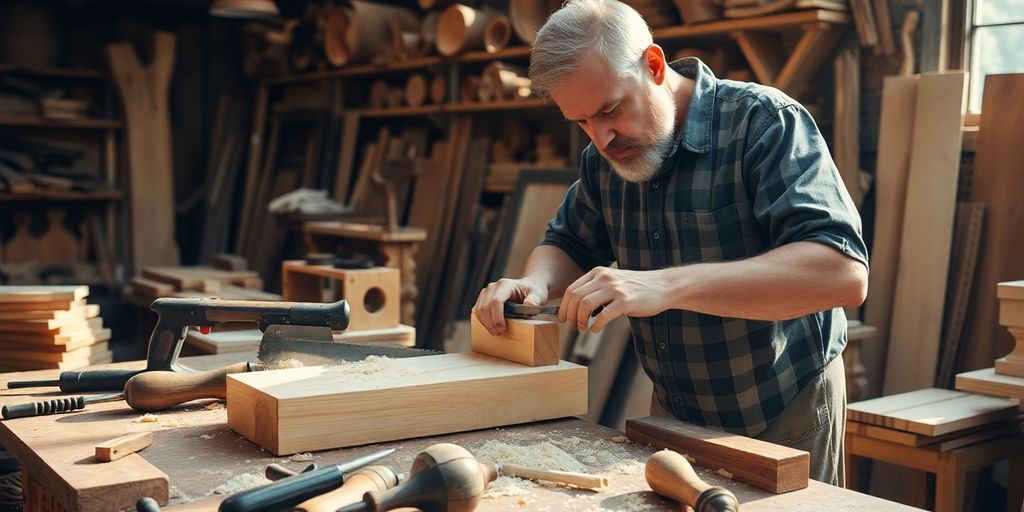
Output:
(995, 40)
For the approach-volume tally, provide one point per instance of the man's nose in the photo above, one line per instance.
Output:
(602, 135)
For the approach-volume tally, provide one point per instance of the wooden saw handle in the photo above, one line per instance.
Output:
(370, 478)
(156, 390)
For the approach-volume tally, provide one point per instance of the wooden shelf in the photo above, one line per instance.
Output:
(42, 122)
(83, 73)
(411, 64)
(65, 195)
(497, 105)
(490, 106)
(774, 23)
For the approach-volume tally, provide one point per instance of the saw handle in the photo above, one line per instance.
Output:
(153, 391)
(671, 475)
(43, 408)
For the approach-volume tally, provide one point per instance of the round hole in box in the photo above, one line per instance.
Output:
(374, 300)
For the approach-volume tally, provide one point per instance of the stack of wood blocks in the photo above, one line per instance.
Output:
(198, 281)
(50, 327)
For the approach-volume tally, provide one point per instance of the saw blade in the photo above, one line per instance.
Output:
(311, 347)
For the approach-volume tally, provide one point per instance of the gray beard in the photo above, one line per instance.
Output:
(645, 166)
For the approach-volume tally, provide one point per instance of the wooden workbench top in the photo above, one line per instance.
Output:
(196, 450)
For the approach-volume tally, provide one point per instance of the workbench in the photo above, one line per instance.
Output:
(197, 452)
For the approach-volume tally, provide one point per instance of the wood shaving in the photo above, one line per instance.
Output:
(302, 457)
(206, 436)
(723, 472)
(508, 486)
(633, 502)
(629, 467)
(539, 456)
(368, 366)
(239, 483)
(620, 439)
(147, 418)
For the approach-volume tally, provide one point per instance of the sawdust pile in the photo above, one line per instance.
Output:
(286, 363)
(538, 456)
(239, 483)
(201, 415)
(600, 455)
(369, 366)
(302, 457)
(147, 418)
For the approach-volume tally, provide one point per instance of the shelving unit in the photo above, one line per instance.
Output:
(104, 130)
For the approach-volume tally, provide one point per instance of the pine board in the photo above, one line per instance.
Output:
(75, 310)
(77, 338)
(932, 411)
(248, 340)
(998, 182)
(315, 408)
(40, 294)
(51, 327)
(920, 291)
(989, 382)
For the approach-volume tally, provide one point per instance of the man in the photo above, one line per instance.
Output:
(735, 241)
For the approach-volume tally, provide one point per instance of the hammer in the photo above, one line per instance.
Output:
(671, 475)
(444, 478)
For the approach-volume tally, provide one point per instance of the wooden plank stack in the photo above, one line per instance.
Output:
(43, 327)
(198, 281)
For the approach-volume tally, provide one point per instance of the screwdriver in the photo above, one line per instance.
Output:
(147, 391)
(370, 478)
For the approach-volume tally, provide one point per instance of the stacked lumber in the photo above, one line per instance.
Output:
(50, 327)
(197, 281)
(751, 8)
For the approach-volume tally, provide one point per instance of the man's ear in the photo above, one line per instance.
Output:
(657, 66)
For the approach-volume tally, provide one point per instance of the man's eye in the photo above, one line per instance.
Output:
(611, 111)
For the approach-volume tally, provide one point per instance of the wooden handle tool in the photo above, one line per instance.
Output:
(122, 446)
(156, 390)
(370, 478)
(671, 475)
(581, 480)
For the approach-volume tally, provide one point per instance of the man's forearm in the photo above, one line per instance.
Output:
(553, 268)
(787, 282)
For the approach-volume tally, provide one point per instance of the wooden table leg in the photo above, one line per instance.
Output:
(852, 469)
(949, 483)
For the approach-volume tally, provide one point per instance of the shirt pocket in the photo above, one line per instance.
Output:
(725, 234)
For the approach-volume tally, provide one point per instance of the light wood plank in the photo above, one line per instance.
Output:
(315, 408)
(769, 466)
(991, 383)
(931, 412)
(997, 182)
(927, 233)
(896, 131)
(529, 342)
(123, 446)
(23, 294)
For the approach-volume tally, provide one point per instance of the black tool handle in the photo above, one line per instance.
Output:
(82, 381)
(147, 504)
(54, 406)
(285, 493)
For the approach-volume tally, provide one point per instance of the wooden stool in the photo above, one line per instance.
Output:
(395, 249)
(947, 433)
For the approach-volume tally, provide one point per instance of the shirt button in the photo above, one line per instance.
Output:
(676, 399)
(662, 345)
(656, 235)
(656, 184)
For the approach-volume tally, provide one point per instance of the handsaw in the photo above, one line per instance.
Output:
(315, 346)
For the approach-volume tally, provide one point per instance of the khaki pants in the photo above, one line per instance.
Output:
(815, 421)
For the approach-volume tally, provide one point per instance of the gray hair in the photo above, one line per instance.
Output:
(608, 28)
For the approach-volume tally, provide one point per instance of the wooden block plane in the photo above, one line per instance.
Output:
(529, 342)
(317, 408)
(769, 466)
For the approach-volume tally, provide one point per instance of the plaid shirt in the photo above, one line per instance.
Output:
(750, 173)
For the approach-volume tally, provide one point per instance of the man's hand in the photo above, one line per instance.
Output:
(490, 304)
(622, 293)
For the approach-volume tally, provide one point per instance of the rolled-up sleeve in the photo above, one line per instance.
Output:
(578, 227)
(796, 190)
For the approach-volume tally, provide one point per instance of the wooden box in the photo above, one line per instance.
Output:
(373, 294)
(317, 408)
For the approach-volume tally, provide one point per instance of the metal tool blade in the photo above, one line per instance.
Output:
(312, 348)
(515, 310)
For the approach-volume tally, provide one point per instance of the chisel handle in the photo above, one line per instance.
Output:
(370, 478)
(581, 480)
(671, 475)
(82, 381)
(156, 390)
(55, 406)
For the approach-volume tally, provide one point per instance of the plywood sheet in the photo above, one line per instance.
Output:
(920, 291)
(932, 411)
(315, 408)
